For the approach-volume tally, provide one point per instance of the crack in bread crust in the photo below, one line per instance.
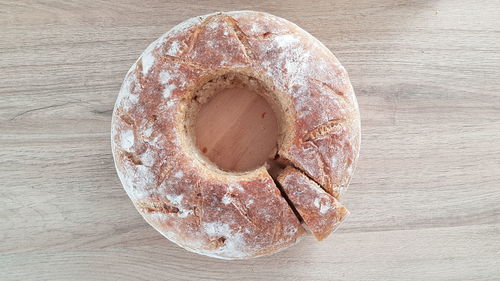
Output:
(332, 126)
(194, 37)
(334, 90)
(152, 206)
(242, 37)
(185, 62)
(132, 157)
(126, 119)
(242, 210)
(326, 170)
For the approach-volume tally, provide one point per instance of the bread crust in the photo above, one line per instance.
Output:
(321, 212)
(192, 203)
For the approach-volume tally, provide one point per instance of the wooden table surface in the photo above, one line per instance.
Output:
(425, 199)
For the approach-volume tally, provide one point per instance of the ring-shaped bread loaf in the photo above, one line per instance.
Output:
(235, 215)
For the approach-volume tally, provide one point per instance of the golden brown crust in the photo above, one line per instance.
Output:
(320, 93)
(321, 212)
(199, 207)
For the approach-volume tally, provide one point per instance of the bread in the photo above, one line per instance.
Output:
(320, 211)
(188, 199)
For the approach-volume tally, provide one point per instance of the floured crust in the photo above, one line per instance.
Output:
(324, 135)
(188, 200)
(321, 212)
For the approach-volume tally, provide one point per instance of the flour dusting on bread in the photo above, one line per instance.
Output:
(188, 199)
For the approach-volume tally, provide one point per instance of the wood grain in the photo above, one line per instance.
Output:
(425, 198)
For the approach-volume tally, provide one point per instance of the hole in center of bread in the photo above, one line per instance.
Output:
(236, 129)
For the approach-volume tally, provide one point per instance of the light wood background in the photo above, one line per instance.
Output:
(424, 202)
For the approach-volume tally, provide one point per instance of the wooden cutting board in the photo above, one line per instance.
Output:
(424, 200)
